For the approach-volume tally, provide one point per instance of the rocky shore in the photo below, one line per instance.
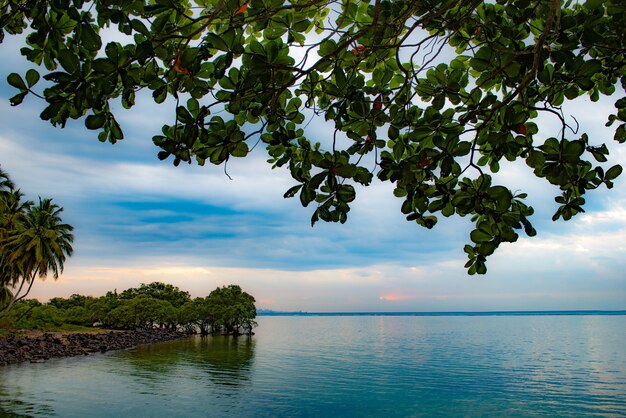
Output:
(33, 348)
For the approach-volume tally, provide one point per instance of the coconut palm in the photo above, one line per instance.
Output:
(5, 181)
(12, 211)
(34, 242)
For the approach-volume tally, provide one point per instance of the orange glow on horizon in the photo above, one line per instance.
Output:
(394, 298)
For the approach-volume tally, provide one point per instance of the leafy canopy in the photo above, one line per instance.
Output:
(226, 310)
(432, 96)
(158, 290)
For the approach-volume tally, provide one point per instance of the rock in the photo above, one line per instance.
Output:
(23, 349)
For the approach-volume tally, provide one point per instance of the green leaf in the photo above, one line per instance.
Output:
(116, 131)
(292, 191)
(16, 81)
(590, 68)
(183, 115)
(155, 9)
(620, 133)
(487, 248)
(599, 157)
(340, 77)
(536, 160)
(502, 196)
(307, 196)
(95, 121)
(89, 38)
(32, 77)
(512, 70)
(481, 60)
(241, 150)
(143, 52)
(613, 172)
(69, 61)
(585, 84)
(18, 98)
(227, 83)
(479, 236)
(393, 132)
(188, 57)
(103, 65)
(327, 47)
(571, 93)
(138, 26)
(346, 193)
(573, 150)
(160, 94)
(216, 42)
(593, 4)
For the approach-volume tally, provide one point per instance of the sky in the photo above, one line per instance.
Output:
(139, 220)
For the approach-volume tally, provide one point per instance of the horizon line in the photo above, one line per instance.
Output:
(269, 312)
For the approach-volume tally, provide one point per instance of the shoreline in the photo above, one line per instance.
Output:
(37, 348)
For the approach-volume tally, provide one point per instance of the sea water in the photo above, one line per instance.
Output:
(346, 366)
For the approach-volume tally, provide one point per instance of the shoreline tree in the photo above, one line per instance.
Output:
(34, 243)
(158, 290)
(227, 310)
(232, 310)
(432, 96)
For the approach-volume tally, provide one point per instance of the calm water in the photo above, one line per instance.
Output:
(346, 366)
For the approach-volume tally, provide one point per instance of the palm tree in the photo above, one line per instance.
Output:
(5, 181)
(34, 242)
(12, 210)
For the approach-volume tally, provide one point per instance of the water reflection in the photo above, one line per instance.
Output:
(7, 405)
(11, 406)
(151, 359)
(225, 360)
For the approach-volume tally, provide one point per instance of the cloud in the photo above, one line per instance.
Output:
(381, 287)
(125, 208)
(614, 216)
(74, 176)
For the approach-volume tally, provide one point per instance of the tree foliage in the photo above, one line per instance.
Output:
(34, 242)
(432, 96)
(227, 310)
(232, 309)
(158, 290)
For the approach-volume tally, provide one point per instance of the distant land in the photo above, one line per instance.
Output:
(269, 312)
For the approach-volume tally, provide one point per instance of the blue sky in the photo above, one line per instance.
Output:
(139, 220)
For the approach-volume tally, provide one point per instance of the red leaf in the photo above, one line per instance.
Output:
(378, 103)
(178, 68)
(423, 163)
(358, 50)
(242, 9)
(520, 129)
